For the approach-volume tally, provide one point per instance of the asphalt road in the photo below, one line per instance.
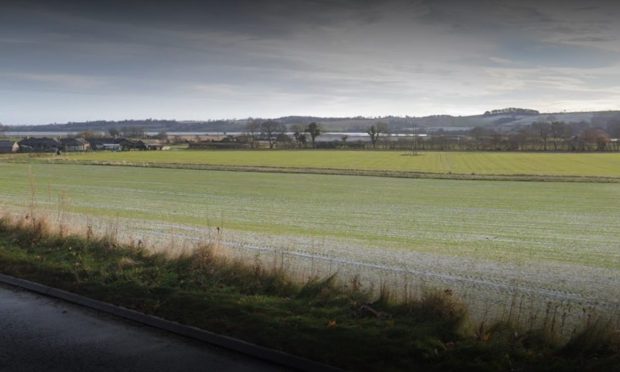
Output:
(38, 333)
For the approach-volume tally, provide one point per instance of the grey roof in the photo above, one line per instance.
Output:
(6, 144)
(73, 141)
(39, 142)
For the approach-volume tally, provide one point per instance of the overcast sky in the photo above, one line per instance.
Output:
(192, 60)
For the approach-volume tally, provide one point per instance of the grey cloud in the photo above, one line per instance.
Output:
(379, 57)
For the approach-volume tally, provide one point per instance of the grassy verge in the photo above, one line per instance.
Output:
(328, 321)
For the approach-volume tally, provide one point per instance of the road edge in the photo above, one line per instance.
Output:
(225, 342)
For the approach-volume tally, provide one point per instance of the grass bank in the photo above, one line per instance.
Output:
(337, 171)
(324, 319)
(397, 163)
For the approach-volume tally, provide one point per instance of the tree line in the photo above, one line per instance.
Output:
(548, 135)
(538, 136)
(275, 133)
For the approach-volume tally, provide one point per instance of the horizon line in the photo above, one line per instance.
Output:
(298, 115)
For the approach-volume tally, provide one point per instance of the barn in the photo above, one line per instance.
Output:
(39, 145)
(74, 144)
(7, 147)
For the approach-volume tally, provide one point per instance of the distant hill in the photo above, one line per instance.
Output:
(150, 125)
(501, 119)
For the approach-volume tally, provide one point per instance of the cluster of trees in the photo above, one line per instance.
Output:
(125, 132)
(302, 136)
(539, 136)
(376, 131)
(549, 136)
(275, 133)
(511, 111)
(600, 134)
(128, 131)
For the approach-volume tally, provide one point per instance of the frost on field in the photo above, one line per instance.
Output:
(520, 250)
(493, 290)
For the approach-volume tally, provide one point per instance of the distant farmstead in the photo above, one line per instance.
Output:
(7, 147)
(105, 144)
(39, 145)
(153, 145)
(74, 144)
(121, 144)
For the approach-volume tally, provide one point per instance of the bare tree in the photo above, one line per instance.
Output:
(375, 131)
(613, 126)
(383, 128)
(133, 132)
(252, 129)
(270, 129)
(88, 134)
(596, 136)
(559, 131)
(314, 130)
(114, 132)
(283, 139)
(481, 136)
(163, 136)
(299, 135)
(374, 134)
(543, 129)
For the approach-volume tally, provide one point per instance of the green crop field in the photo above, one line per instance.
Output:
(491, 219)
(543, 238)
(485, 163)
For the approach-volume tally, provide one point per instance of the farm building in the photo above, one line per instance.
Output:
(135, 145)
(105, 144)
(8, 147)
(39, 145)
(116, 144)
(74, 144)
(153, 145)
